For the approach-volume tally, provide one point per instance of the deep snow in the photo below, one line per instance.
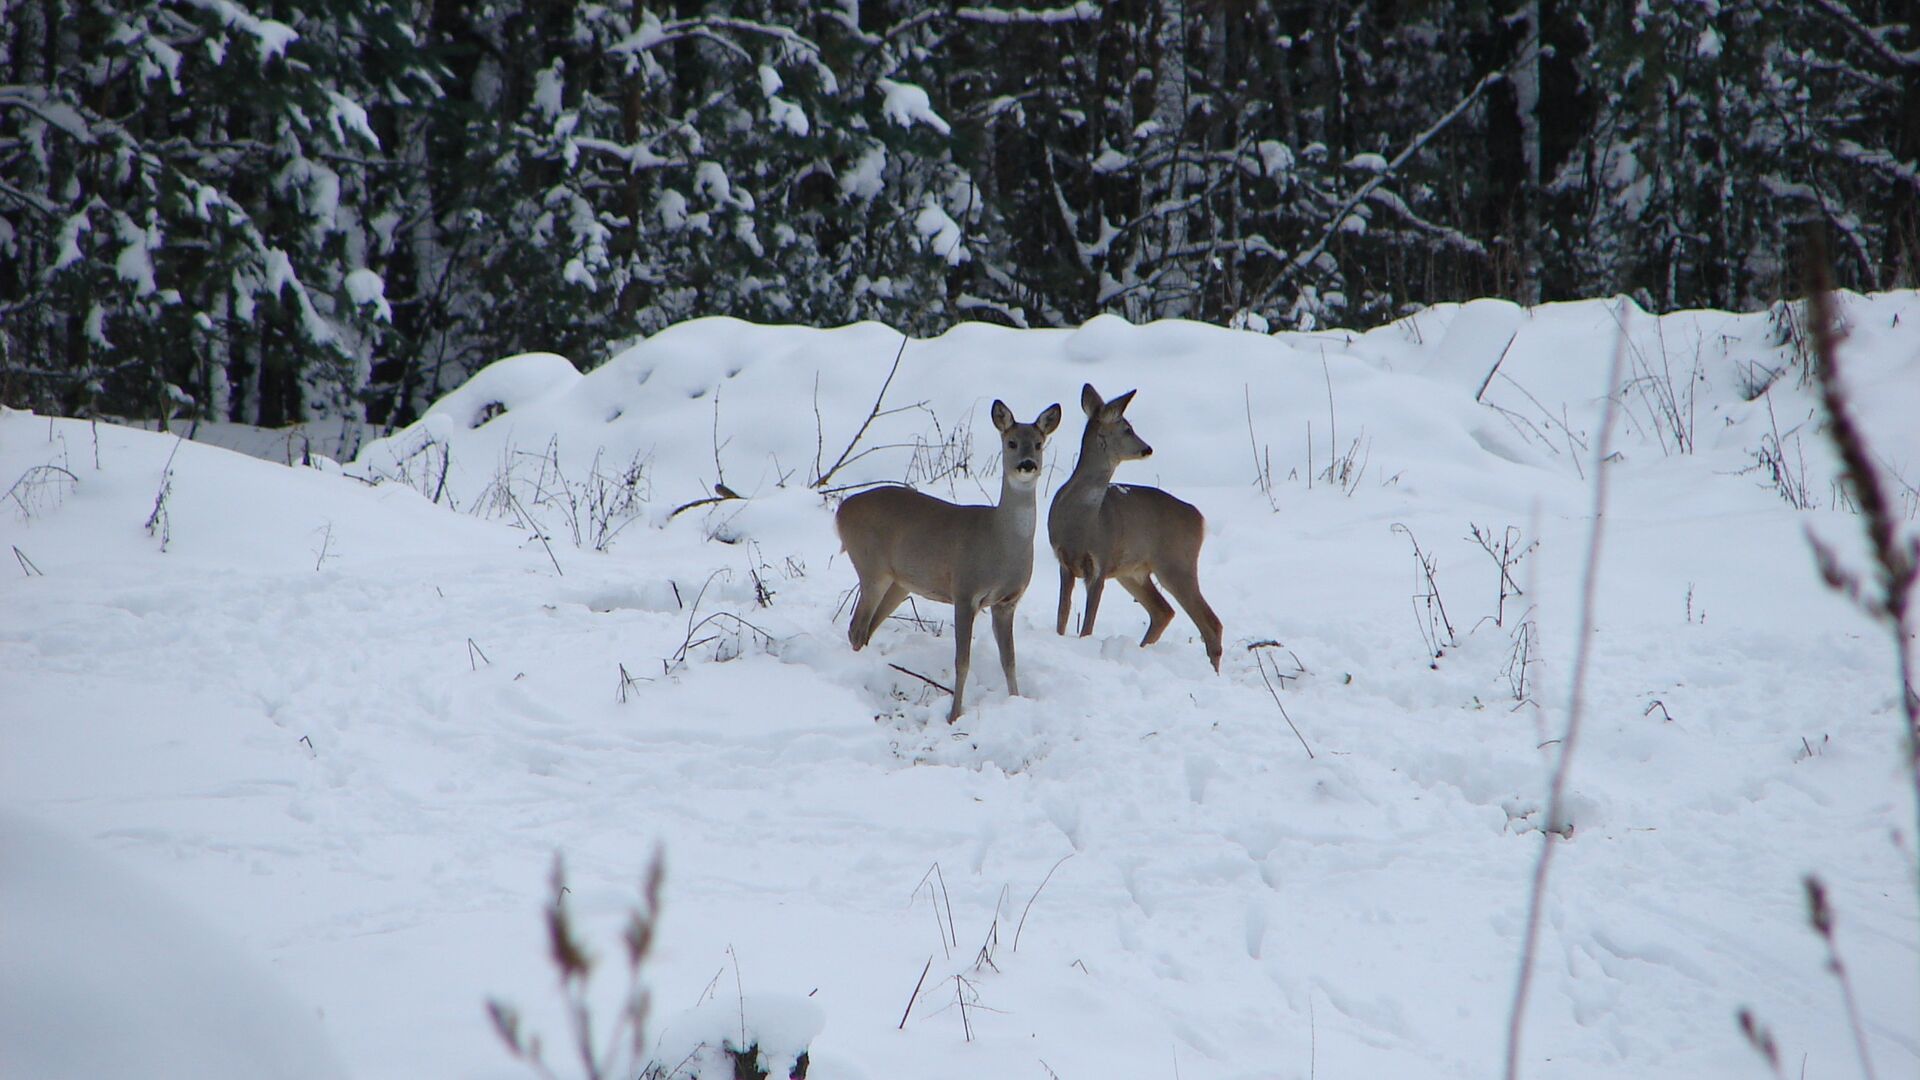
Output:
(350, 728)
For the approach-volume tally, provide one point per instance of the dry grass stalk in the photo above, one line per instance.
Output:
(1551, 830)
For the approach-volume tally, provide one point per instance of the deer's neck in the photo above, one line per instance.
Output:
(1091, 475)
(1015, 513)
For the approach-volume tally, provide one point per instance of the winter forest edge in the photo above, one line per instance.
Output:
(342, 208)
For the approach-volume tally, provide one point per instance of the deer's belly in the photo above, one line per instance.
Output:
(939, 593)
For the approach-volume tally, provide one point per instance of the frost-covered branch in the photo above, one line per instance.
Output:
(1084, 11)
(59, 114)
(701, 33)
(1813, 63)
(653, 33)
(1445, 233)
(1419, 142)
(271, 37)
(1847, 225)
(1873, 37)
(911, 23)
(637, 155)
(1083, 251)
(849, 24)
(1167, 207)
(1878, 160)
(29, 199)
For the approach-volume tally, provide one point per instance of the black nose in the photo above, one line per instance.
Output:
(1028, 465)
(1145, 450)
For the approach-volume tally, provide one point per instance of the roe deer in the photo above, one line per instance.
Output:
(972, 557)
(1134, 534)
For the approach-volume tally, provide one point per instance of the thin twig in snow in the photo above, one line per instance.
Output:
(538, 532)
(34, 479)
(1036, 895)
(948, 936)
(937, 686)
(1484, 383)
(821, 481)
(951, 932)
(723, 493)
(959, 995)
(915, 996)
(740, 994)
(1259, 660)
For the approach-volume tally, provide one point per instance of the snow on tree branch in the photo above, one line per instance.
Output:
(653, 33)
(940, 234)
(1878, 160)
(347, 115)
(1308, 257)
(1447, 234)
(1873, 37)
(906, 103)
(58, 114)
(1084, 11)
(271, 38)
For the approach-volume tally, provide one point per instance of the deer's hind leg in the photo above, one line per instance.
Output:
(1185, 587)
(1159, 612)
(896, 595)
(877, 600)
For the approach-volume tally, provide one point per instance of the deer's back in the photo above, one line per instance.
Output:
(1136, 528)
(931, 546)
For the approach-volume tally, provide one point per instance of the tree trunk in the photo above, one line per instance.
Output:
(1172, 284)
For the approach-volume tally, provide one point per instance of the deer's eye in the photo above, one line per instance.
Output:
(1010, 444)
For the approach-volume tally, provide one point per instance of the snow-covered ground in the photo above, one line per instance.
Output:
(348, 724)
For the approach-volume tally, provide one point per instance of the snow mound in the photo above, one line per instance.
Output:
(104, 977)
(772, 1031)
(1495, 386)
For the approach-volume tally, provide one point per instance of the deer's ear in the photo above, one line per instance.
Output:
(1049, 420)
(1113, 409)
(1002, 416)
(1090, 399)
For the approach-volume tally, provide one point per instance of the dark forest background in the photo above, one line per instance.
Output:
(267, 212)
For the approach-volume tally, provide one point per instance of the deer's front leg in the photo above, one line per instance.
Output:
(1003, 636)
(963, 612)
(1096, 581)
(1066, 598)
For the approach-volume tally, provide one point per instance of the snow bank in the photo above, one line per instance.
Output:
(1484, 394)
(104, 976)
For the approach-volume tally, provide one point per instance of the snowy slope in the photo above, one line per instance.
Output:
(350, 723)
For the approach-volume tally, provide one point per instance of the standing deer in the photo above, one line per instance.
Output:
(1101, 530)
(972, 557)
